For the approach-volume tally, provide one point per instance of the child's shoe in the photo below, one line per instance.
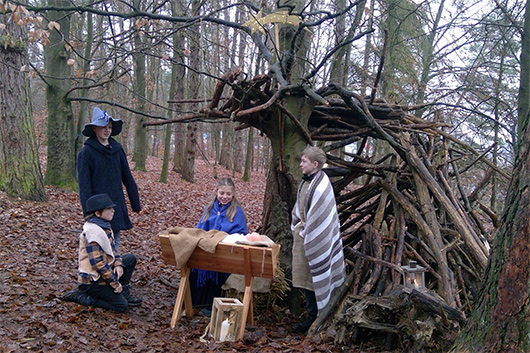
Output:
(133, 301)
(77, 296)
(206, 312)
(70, 296)
(304, 326)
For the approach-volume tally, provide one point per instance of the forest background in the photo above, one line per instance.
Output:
(455, 66)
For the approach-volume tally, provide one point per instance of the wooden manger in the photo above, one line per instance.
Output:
(251, 261)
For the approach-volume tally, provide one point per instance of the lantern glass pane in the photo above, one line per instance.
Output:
(414, 280)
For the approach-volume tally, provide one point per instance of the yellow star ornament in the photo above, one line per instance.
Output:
(257, 22)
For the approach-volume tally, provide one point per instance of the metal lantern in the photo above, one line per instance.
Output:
(414, 276)
(226, 319)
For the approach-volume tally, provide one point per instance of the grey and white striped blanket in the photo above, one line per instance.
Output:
(322, 241)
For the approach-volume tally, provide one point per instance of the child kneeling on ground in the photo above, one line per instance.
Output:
(103, 274)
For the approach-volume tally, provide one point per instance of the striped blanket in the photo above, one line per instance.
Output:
(322, 241)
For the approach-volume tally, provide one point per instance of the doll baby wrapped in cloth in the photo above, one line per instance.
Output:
(252, 239)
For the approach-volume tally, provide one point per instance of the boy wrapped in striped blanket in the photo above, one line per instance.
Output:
(318, 260)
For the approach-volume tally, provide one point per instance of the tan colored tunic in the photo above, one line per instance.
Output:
(301, 275)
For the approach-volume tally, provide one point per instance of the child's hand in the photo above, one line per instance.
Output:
(118, 271)
(118, 289)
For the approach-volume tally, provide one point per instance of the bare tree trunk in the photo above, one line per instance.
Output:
(367, 51)
(20, 174)
(523, 101)
(238, 152)
(340, 62)
(428, 58)
(118, 91)
(84, 113)
(188, 172)
(249, 155)
(60, 169)
(140, 136)
(216, 143)
(225, 158)
(176, 91)
(498, 93)
(179, 132)
(188, 166)
(180, 145)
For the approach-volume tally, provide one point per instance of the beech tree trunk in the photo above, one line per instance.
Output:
(140, 132)
(85, 113)
(249, 155)
(179, 133)
(175, 92)
(60, 169)
(287, 143)
(20, 174)
(188, 166)
(284, 175)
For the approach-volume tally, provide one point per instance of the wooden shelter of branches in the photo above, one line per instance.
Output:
(398, 208)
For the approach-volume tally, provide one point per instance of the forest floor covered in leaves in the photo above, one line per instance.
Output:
(38, 252)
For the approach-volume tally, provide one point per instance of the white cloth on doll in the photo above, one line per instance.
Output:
(248, 239)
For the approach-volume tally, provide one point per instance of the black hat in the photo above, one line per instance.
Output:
(101, 118)
(98, 202)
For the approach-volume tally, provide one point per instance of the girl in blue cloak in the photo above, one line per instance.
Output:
(222, 213)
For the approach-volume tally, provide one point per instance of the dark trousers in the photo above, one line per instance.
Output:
(116, 240)
(202, 296)
(311, 304)
(104, 296)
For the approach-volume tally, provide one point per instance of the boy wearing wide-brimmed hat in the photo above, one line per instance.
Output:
(102, 167)
(103, 274)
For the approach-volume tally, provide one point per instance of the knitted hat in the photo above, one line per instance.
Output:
(98, 202)
(101, 118)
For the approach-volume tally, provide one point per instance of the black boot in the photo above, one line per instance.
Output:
(133, 301)
(303, 327)
(312, 312)
(77, 296)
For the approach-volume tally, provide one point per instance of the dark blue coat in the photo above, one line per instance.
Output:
(217, 219)
(103, 169)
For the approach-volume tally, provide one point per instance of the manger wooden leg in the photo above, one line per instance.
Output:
(188, 305)
(183, 297)
(248, 309)
(248, 316)
(248, 312)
